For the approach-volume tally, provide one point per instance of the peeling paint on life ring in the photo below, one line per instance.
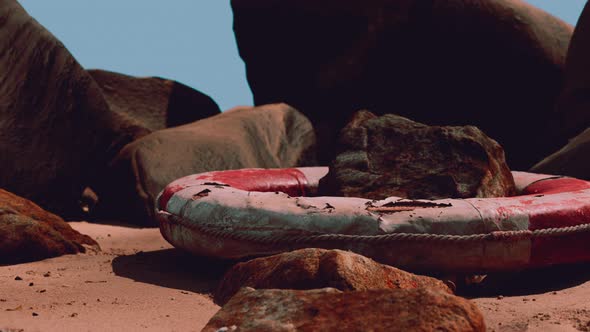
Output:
(254, 212)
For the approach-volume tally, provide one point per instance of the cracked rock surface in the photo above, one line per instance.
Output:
(389, 155)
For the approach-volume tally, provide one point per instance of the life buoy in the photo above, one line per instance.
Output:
(254, 212)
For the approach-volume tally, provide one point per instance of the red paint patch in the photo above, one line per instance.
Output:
(288, 180)
(560, 250)
(560, 215)
(555, 186)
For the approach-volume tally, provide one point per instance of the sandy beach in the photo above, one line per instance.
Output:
(137, 283)
(140, 283)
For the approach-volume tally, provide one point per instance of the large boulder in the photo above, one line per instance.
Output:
(319, 268)
(56, 130)
(329, 309)
(394, 156)
(30, 233)
(152, 102)
(497, 65)
(575, 97)
(571, 160)
(574, 158)
(271, 136)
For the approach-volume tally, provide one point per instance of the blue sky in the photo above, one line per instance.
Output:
(190, 41)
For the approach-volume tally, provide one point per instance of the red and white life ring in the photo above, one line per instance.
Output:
(254, 212)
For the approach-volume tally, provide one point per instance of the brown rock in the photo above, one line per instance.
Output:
(497, 65)
(573, 159)
(56, 129)
(271, 136)
(152, 102)
(394, 156)
(331, 310)
(574, 97)
(319, 268)
(30, 233)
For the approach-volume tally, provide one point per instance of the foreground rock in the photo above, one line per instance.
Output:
(152, 102)
(496, 65)
(29, 233)
(319, 268)
(56, 129)
(394, 156)
(574, 158)
(331, 310)
(271, 136)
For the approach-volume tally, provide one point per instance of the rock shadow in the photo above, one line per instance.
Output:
(172, 268)
(529, 282)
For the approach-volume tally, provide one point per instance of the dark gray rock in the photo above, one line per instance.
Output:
(153, 102)
(571, 160)
(56, 130)
(394, 156)
(574, 158)
(497, 65)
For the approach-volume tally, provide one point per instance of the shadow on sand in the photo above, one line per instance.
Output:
(172, 268)
(530, 282)
(177, 269)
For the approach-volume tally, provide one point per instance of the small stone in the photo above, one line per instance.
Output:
(18, 308)
(500, 297)
(31, 284)
(35, 314)
(17, 278)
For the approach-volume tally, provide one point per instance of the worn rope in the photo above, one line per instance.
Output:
(498, 236)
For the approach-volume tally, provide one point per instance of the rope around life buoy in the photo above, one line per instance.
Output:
(241, 213)
(503, 236)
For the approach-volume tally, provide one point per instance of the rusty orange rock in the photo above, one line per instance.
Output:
(319, 268)
(329, 309)
(30, 233)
